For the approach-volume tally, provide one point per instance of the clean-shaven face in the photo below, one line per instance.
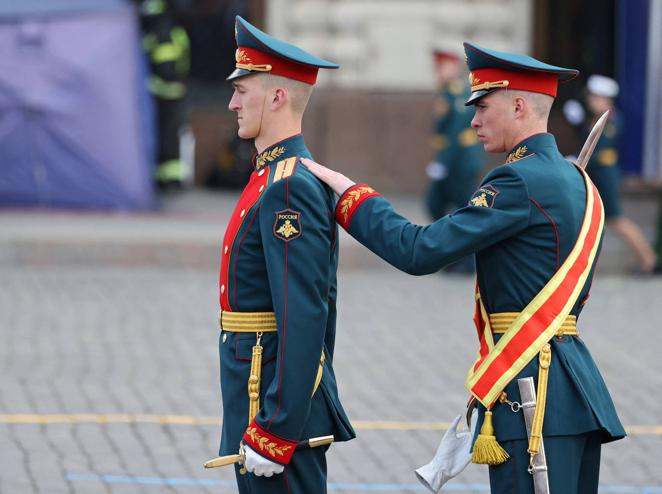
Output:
(248, 101)
(493, 120)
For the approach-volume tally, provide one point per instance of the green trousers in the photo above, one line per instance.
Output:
(573, 463)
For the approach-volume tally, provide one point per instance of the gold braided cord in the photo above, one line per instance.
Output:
(490, 85)
(265, 67)
(535, 440)
(254, 380)
(320, 371)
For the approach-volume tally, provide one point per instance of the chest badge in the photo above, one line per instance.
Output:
(288, 225)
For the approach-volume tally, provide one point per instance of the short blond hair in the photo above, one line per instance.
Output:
(299, 92)
(540, 103)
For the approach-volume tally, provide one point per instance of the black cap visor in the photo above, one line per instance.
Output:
(476, 95)
(239, 73)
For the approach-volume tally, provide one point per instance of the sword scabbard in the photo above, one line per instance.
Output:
(538, 465)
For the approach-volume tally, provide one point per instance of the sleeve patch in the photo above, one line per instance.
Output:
(288, 225)
(484, 197)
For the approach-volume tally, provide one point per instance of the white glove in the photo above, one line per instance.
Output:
(574, 112)
(452, 456)
(436, 170)
(259, 465)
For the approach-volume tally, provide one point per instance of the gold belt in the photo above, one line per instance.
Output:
(247, 322)
(501, 321)
(258, 323)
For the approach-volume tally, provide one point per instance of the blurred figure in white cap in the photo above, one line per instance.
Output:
(603, 166)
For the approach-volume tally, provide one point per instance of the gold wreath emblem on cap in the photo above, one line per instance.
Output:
(241, 56)
(245, 62)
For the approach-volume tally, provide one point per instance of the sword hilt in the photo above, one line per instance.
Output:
(221, 461)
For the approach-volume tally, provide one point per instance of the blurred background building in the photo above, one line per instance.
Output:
(371, 118)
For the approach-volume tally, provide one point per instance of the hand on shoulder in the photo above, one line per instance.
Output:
(338, 182)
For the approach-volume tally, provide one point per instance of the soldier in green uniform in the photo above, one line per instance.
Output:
(603, 167)
(459, 157)
(278, 281)
(535, 226)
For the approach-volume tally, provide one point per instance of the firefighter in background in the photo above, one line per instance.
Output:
(603, 168)
(167, 46)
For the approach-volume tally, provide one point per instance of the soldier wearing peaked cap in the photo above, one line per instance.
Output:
(278, 281)
(535, 228)
(459, 157)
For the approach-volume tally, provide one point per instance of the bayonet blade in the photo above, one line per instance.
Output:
(592, 140)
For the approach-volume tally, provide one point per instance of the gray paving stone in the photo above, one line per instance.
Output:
(143, 340)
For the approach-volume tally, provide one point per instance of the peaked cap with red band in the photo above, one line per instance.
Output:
(492, 70)
(259, 52)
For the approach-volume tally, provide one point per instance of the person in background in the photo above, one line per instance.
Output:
(459, 157)
(658, 236)
(167, 46)
(603, 166)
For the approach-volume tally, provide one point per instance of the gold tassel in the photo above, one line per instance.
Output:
(487, 451)
(254, 380)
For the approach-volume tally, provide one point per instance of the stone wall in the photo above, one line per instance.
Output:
(386, 44)
(372, 118)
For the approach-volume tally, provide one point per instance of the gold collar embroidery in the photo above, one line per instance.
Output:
(519, 153)
(268, 156)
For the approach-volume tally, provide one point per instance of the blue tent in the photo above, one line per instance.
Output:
(74, 112)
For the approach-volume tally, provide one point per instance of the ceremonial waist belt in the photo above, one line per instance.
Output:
(247, 322)
(501, 321)
(258, 323)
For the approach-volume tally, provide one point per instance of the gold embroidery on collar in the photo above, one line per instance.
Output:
(263, 443)
(270, 155)
(517, 154)
(354, 195)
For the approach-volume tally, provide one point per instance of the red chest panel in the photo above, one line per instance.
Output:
(248, 198)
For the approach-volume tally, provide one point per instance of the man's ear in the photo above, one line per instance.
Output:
(519, 106)
(279, 98)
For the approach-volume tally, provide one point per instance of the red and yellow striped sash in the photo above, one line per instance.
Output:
(496, 365)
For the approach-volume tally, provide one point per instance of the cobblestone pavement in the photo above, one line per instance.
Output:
(114, 340)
